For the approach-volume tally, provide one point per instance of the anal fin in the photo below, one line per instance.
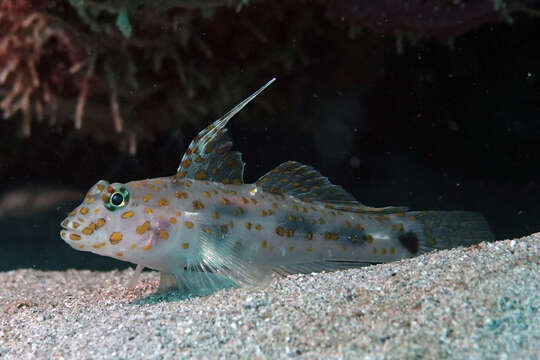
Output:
(318, 266)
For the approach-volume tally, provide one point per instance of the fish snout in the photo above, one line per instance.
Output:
(70, 230)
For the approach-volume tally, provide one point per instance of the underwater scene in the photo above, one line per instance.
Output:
(338, 179)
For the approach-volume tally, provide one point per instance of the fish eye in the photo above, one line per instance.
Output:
(117, 199)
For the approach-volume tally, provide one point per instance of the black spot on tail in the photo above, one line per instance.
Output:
(410, 242)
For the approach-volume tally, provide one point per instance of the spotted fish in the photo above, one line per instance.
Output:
(203, 224)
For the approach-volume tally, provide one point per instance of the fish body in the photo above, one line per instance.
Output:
(204, 221)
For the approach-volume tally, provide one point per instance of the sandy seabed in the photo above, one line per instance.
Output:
(480, 302)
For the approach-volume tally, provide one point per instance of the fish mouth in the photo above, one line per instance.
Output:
(69, 235)
(68, 225)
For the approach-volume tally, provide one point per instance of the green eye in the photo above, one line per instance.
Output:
(118, 199)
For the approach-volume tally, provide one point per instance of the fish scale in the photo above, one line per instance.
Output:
(204, 228)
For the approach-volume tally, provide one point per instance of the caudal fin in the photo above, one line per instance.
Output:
(435, 230)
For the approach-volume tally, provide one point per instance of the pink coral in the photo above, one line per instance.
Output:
(35, 60)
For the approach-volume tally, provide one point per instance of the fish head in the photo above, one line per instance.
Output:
(107, 221)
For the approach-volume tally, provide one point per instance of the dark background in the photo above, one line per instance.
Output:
(438, 126)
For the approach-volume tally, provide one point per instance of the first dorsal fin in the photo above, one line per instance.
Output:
(208, 157)
(307, 184)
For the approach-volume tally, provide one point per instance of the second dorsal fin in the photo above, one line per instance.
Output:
(307, 184)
